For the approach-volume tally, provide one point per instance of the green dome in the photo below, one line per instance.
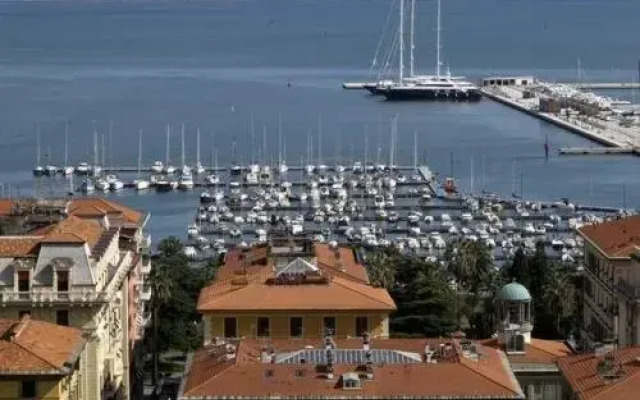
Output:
(514, 292)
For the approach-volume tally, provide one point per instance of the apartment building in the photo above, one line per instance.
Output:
(80, 263)
(293, 291)
(612, 281)
(40, 360)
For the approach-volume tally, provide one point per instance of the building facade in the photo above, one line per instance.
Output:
(298, 292)
(40, 360)
(611, 282)
(81, 263)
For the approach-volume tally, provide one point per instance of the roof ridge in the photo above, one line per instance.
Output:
(341, 281)
(464, 361)
(211, 301)
(35, 355)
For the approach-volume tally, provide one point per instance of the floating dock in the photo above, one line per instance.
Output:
(608, 85)
(594, 150)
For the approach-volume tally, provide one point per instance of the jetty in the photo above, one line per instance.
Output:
(605, 121)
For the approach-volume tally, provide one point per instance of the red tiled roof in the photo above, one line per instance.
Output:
(538, 351)
(74, 230)
(19, 246)
(28, 346)
(581, 372)
(617, 238)
(212, 373)
(98, 206)
(243, 284)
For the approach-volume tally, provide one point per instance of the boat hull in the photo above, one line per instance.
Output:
(417, 94)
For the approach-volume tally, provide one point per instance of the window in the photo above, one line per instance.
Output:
(295, 327)
(22, 313)
(263, 326)
(29, 389)
(63, 281)
(62, 317)
(230, 327)
(329, 324)
(362, 326)
(23, 281)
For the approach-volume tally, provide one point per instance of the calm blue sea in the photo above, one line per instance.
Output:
(216, 64)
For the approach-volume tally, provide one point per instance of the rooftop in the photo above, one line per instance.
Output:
(30, 347)
(610, 376)
(538, 351)
(257, 279)
(617, 238)
(398, 368)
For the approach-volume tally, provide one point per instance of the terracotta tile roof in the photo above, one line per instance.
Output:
(19, 246)
(98, 206)
(581, 372)
(28, 346)
(5, 207)
(253, 293)
(74, 230)
(539, 351)
(243, 283)
(216, 374)
(617, 238)
(345, 265)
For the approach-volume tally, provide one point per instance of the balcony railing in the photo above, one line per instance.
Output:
(145, 293)
(145, 266)
(629, 290)
(72, 296)
(145, 243)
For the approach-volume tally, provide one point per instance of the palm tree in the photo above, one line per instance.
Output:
(161, 287)
(557, 293)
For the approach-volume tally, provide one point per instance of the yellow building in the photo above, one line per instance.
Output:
(40, 360)
(80, 263)
(299, 291)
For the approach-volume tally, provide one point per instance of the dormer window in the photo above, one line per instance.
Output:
(62, 278)
(351, 381)
(23, 281)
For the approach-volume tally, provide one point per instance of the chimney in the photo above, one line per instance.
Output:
(366, 342)
(329, 367)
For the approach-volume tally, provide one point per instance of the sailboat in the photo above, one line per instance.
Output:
(428, 87)
(67, 169)
(139, 183)
(38, 170)
(186, 170)
(168, 168)
(282, 166)
(199, 169)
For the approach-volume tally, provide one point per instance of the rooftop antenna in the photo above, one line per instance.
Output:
(401, 40)
(438, 29)
(411, 59)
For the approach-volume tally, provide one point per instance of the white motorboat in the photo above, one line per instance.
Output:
(102, 184)
(157, 167)
(141, 184)
(169, 169)
(212, 179)
(186, 181)
(87, 186)
(199, 169)
(50, 170)
(83, 168)
(68, 170)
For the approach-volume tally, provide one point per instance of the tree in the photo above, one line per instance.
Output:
(161, 287)
(170, 247)
(381, 268)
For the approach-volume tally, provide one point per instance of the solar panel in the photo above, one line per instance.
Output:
(347, 356)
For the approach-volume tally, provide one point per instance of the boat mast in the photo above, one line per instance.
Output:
(139, 152)
(415, 151)
(438, 63)
(66, 143)
(401, 38)
(279, 140)
(198, 146)
(319, 140)
(182, 145)
(38, 146)
(95, 146)
(412, 44)
(166, 156)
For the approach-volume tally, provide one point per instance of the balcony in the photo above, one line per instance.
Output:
(145, 293)
(145, 242)
(627, 289)
(79, 296)
(145, 265)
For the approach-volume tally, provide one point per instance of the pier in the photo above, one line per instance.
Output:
(594, 150)
(590, 117)
(607, 85)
